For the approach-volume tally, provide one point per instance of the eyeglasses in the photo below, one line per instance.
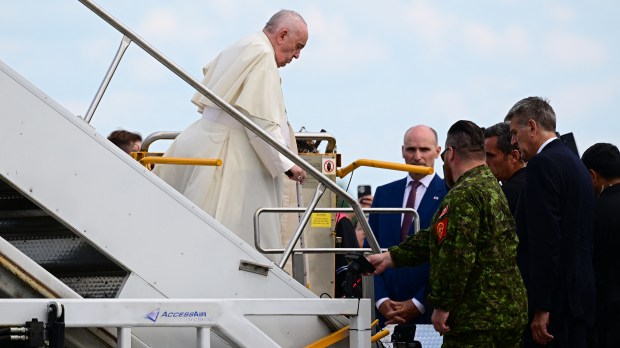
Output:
(444, 152)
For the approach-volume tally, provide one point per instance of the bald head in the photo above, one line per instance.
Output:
(422, 131)
(288, 33)
(420, 147)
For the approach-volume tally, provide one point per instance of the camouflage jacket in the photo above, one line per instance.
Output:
(471, 245)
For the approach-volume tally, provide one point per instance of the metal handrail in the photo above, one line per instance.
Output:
(226, 317)
(153, 137)
(171, 135)
(344, 171)
(244, 120)
(293, 241)
(331, 140)
(108, 77)
(302, 223)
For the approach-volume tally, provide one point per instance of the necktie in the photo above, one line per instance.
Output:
(408, 218)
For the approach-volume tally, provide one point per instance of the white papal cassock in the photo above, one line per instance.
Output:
(246, 76)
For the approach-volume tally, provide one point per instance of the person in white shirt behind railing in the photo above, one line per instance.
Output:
(246, 76)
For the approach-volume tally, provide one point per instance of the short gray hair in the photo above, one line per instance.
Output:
(281, 17)
(533, 108)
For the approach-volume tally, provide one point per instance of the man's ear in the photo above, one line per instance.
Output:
(514, 156)
(593, 175)
(533, 127)
(282, 34)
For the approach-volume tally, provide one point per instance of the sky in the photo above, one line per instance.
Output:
(370, 70)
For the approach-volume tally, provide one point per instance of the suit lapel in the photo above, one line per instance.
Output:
(429, 204)
(396, 201)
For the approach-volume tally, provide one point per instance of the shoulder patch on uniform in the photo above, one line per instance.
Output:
(441, 228)
(443, 212)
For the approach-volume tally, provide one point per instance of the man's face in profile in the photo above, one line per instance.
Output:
(496, 159)
(289, 44)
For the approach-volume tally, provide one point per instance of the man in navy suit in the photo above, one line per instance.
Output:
(400, 294)
(557, 212)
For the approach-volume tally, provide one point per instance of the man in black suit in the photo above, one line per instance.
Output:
(603, 163)
(557, 213)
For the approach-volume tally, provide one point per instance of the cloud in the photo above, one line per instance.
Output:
(173, 26)
(486, 41)
(334, 45)
(442, 31)
(432, 26)
(562, 13)
(566, 50)
(579, 100)
(449, 104)
(516, 41)
(481, 38)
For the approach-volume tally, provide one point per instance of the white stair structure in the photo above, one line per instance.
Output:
(140, 235)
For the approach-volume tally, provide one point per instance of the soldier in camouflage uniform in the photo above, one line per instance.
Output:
(476, 288)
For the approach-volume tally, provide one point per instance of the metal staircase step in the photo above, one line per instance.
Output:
(56, 248)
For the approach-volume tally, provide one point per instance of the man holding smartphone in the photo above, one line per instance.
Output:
(400, 294)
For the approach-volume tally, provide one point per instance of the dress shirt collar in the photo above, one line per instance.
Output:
(545, 144)
(426, 180)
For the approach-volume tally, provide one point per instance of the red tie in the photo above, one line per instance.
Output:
(408, 218)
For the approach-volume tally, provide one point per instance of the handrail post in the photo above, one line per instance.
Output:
(108, 77)
(360, 331)
(304, 220)
(203, 337)
(123, 337)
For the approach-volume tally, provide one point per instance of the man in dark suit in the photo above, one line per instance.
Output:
(557, 213)
(400, 294)
(603, 163)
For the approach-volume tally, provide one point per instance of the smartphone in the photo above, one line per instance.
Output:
(363, 190)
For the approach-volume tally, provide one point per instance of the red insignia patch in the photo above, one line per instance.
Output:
(443, 212)
(441, 228)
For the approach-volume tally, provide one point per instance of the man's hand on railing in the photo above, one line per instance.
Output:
(296, 174)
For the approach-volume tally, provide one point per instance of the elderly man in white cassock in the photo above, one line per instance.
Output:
(246, 76)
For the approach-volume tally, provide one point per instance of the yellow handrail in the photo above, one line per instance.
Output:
(338, 336)
(183, 161)
(379, 335)
(342, 172)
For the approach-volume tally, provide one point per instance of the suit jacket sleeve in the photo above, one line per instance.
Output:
(543, 228)
(373, 221)
(421, 295)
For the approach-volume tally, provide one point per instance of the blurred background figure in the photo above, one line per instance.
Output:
(603, 163)
(126, 140)
(349, 234)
